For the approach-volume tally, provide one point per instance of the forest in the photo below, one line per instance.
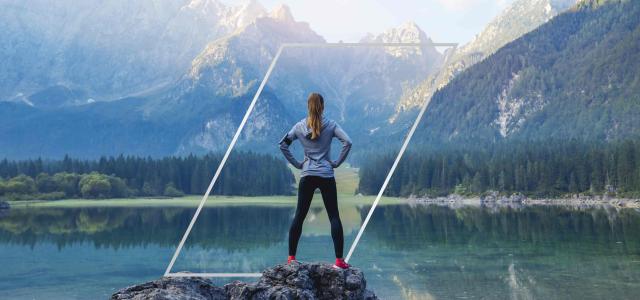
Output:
(245, 174)
(536, 169)
(575, 76)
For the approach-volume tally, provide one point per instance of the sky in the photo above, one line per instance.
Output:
(349, 20)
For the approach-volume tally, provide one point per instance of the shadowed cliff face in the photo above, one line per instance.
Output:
(294, 281)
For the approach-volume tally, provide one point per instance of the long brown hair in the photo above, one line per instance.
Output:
(315, 103)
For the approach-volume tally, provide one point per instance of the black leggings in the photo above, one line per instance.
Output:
(307, 187)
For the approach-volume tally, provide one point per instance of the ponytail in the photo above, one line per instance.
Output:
(315, 103)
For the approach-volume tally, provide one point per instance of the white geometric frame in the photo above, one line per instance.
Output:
(423, 108)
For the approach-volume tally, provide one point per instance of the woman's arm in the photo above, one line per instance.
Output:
(284, 147)
(346, 145)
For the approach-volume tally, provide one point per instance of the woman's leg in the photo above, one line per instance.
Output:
(330, 199)
(306, 188)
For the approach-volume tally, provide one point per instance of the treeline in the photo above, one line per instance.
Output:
(538, 169)
(245, 174)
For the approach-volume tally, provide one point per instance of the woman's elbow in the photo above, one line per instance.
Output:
(283, 146)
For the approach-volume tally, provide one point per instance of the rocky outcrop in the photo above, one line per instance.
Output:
(294, 281)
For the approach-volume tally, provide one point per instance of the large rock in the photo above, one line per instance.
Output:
(294, 281)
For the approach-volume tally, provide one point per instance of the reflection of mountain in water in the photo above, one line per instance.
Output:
(229, 228)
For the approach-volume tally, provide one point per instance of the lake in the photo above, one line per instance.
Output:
(408, 251)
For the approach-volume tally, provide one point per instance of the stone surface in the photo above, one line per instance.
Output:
(294, 281)
(192, 288)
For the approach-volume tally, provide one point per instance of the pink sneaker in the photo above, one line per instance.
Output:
(291, 259)
(341, 264)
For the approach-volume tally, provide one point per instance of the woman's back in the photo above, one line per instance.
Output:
(317, 152)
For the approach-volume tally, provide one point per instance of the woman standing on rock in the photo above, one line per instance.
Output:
(315, 133)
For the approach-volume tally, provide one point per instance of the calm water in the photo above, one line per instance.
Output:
(407, 252)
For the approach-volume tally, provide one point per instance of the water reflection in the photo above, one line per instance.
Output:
(228, 228)
(408, 252)
(508, 253)
(478, 226)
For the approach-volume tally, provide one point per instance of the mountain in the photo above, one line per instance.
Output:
(361, 85)
(106, 49)
(200, 110)
(573, 77)
(215, 92)
(518, 18)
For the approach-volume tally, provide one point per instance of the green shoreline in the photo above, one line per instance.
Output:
(194, 200)
(346, 176)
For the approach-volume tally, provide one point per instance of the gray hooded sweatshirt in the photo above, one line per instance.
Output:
(317, 159)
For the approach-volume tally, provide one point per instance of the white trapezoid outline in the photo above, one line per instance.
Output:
(407, 139)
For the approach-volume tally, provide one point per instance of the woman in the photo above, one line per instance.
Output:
(315, 133)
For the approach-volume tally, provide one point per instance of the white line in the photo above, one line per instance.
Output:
(213, 275)
(333, 45)
(224, 160)
(168, 273)
(391, 171)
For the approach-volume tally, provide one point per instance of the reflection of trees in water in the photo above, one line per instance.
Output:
(219, 227)
(527, 253)
(405, 227)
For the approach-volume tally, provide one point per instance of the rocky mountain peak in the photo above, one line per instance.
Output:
(250, 45)
(240, 16)
(282, 13)
(408, 32)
